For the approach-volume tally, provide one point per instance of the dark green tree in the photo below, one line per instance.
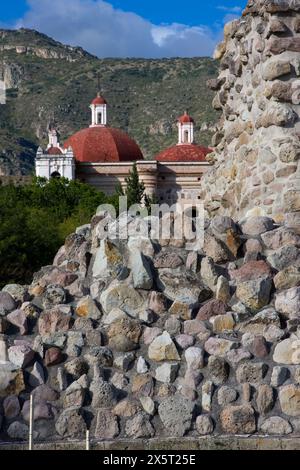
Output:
(135, 190)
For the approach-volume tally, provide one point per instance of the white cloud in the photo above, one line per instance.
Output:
(106, 31)
(230, 9)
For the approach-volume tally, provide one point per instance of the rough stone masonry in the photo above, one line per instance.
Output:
(142, 338)
(256, 160)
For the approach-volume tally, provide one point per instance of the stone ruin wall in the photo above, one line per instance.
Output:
(258, 90)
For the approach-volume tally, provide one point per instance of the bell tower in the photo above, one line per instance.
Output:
(185, 129)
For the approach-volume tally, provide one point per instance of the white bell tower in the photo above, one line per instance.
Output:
(55, 161)
(185, 129)
(99, 111)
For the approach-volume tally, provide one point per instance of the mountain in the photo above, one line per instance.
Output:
(48, 81)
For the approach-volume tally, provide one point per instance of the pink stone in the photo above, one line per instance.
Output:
(18, 318)
(150, 334)
(53, 357)
(184, 341)
(211, 309)
(251, 271)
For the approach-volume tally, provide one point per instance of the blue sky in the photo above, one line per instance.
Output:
(127, 28)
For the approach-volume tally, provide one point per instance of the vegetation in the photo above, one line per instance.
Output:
(145, 96)
(135, 189)
(36, 218)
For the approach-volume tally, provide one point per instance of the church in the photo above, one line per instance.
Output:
(102, 156)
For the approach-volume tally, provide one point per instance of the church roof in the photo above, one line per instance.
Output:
(184, 153)
(54, 151)
(185, 118)
(102, 144)
(99, 100)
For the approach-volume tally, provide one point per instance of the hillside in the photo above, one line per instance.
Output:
(48, 81)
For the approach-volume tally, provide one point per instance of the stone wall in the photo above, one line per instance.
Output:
(258, 90)
(142, 338)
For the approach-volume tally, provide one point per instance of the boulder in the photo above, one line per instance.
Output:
(139, 427)
(7, 303)
(53, 321)
(204, 425)
(289, 398)
(176, 415)
(166, 373)
(107, 426)
(238, 419)
(21, 355)
(287, 302)
(18, 318)
(87, 308)
(276, 426)
(254, 294)
(124, 334)
(163, 348)
(70, 424)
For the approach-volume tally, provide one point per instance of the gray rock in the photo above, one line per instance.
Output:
(264, 399)
(7, 303)
(70, 424)
(218, 369)
(75, 343)
(54, 295)
(276, 426)
(107, 426)
(11, 407)
(254, 294)
(124, 362)
(41, 410)
(226, 395)
(176, 415)
(257, 225)
(251, 372)
(19, 293)
(74, 395)
(194, 358)
(103, 393)
(285, 257)
(19, 431)
(173, 326)
(167, 373)
(141, 270)
(37, 375)
(279, 376)
(204, 425)
(287, 302)
(139, 427)
(142, 367)
(21, 355)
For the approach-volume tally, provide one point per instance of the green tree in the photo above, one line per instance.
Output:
(35, 220)
(135, 189)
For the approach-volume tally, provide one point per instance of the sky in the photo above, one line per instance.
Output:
(127, 28)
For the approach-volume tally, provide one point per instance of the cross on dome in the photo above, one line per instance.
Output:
(185, 129)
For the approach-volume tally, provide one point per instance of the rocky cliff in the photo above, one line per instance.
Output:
(258, 91)
(143, 338)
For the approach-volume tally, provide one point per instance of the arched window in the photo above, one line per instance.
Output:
(55, 174)
(186, 137)
(99, 118)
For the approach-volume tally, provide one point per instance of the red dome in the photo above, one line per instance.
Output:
(184, 153)
(185, 118)
(54, 151)
(103, 144)
(99, 100)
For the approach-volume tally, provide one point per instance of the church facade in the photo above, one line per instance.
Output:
(103, 156)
